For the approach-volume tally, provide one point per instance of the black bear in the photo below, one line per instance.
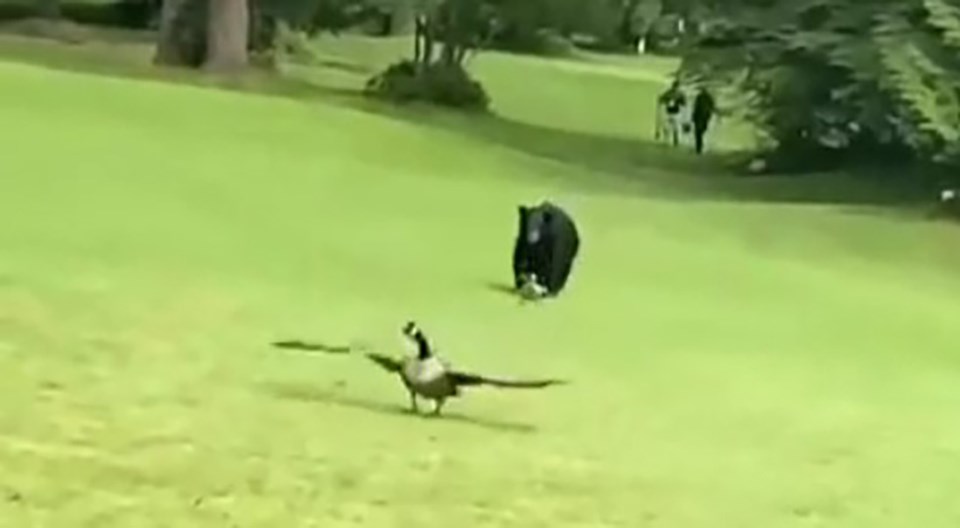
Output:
(546, 246)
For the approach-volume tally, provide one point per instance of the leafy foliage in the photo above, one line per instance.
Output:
(134, 14)
(440, 83)
(446, 33)
(834, 80)
(315, 16)
(534, 26)
(266, 16)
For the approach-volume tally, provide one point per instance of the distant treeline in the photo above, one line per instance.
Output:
(131, 14)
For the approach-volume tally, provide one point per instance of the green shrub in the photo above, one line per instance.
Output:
(439, 83)
(553, 44)
(451, 85)
(16, 11)
(398, 83)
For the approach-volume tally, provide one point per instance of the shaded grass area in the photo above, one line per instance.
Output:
(609, 131)
(598, 112)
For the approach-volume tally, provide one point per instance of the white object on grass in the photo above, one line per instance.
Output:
(757, 166)
(947, 195)
(531, 289)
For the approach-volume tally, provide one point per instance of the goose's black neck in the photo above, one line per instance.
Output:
(423, 347)
(412, 331)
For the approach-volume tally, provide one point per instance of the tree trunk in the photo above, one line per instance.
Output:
(168, 50)
(448, 54)
(227, 35)
(428, 47)
(419, 36)
(427, 41)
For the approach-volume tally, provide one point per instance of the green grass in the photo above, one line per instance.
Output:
(735, 363)
(587, 94)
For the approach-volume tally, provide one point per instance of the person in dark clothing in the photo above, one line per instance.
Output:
(704, 107)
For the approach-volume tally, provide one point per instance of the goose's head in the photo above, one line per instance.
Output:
(411, 329)
(413, 332)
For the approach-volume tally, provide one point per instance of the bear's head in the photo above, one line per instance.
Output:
(533, 223)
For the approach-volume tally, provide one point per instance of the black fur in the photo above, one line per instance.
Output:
(547, 244)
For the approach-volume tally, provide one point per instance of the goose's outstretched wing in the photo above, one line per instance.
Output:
(387, 363)
(467, 379)
(313, 347)
(320, 347)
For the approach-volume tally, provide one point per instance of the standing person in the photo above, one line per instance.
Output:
(660, 123)
(673, 101)
(704, 107)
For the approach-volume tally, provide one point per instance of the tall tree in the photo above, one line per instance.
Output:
(182, 38)
(168, 51)
(228, 35)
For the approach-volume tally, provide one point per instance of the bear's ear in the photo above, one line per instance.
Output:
(523, 210)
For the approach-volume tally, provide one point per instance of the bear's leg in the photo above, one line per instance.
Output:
(560, 267)
(558, 276)
(521, 263)
(540, 263)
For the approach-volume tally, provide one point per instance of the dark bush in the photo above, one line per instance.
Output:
(397, 83)
(451, 85)
(439, 83)
(127, 14)
(16, 11)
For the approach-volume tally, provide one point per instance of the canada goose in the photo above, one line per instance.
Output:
(425, 375)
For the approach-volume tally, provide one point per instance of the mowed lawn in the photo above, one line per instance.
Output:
(732, 364)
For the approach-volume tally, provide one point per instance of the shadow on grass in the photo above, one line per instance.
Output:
(502, 288)
(617, 164)
(112, 56)
(507, 290)
(310, 394)
(346, 66)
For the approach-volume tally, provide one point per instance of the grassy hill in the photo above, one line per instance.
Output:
(736, 360)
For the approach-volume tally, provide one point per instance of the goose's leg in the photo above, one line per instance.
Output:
(438, 407)
(413, 403)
